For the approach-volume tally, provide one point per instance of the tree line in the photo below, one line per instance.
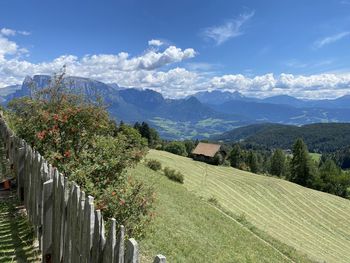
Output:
(296, 165)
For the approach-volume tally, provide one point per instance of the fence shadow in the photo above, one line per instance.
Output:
(16, 235)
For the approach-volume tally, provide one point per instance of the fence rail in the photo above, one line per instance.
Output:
(67, 225)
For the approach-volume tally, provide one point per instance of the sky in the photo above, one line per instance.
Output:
(179, 47)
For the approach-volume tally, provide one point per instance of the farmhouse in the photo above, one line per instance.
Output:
(209, 153)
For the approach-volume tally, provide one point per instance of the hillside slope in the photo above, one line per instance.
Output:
(313, 222)
(187, 228)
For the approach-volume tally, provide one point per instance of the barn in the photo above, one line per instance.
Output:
(209, 153)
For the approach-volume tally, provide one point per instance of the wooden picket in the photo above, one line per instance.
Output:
(68, 227)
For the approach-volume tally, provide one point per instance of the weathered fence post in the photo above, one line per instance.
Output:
(21, 173)
(88, 229)
(132, 251)
(108, 253)
(99, 240)
(47, 222)
(76, 224)
(119, 248)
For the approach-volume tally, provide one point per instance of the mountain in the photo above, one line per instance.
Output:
(198, 116)
(146, 99)
(9, 89)
(320, 137)
(174, 118)
(216, 97)
(285, 100)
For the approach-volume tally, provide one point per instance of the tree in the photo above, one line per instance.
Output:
(334, 180)
(253, 162)
(235, 157)
(278, 161)
(190, 145)
(149, 133)
(303, 171)
(176, 148)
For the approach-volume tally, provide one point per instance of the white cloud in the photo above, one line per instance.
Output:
(10, 32)
(7, 47)
(155, 42)
(7, 32)
(311, 87)
(230, 29)
(121, 68)
(24, 33)
(331, 39)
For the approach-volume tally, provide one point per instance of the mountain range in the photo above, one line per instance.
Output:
(198, 116)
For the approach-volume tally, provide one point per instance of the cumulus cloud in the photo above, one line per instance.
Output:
(311, 87)
(7, 32)
(230, 29)
(11, 32)
(155, 42)
(138, 71)
(331, 39)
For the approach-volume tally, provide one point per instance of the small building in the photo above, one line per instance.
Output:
(209, 153)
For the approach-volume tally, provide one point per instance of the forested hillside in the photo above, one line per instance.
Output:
(320, 137)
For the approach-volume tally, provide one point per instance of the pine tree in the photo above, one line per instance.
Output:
(236, 156)
(278, 161)
(253, 162)
(302, 170)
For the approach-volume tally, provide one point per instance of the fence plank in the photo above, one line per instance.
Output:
(88, 229)
(132, 251)
(67, 252)
(47, 221)
(58, 196)
(99, 238)
(76, 224)
(108, 253)
(80, 224)
(119, 248)
(64, 200)
(21, 173)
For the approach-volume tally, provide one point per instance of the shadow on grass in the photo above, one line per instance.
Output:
(16, 235)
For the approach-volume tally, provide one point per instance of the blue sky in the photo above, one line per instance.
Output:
(260, 48)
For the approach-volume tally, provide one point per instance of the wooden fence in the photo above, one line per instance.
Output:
(67, 226)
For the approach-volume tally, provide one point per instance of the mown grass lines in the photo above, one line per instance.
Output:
(189, 228)
(313, 222)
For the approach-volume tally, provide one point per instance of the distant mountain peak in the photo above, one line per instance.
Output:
(218, 96)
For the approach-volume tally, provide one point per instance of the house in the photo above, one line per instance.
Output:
(209, 153)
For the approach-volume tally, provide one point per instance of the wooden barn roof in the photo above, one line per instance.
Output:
(206, 149)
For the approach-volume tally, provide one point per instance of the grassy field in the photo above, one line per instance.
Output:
(16, 236)
(188, 228)
(312, 222)
(316, 157)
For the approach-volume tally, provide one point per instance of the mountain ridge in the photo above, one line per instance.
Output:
(197, 116)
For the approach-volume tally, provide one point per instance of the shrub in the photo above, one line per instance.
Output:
(176, 148)
(76, 135)
(154, 165)
(174, 175)
(214, 201)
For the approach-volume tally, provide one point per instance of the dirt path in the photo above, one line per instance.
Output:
(16, 235)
